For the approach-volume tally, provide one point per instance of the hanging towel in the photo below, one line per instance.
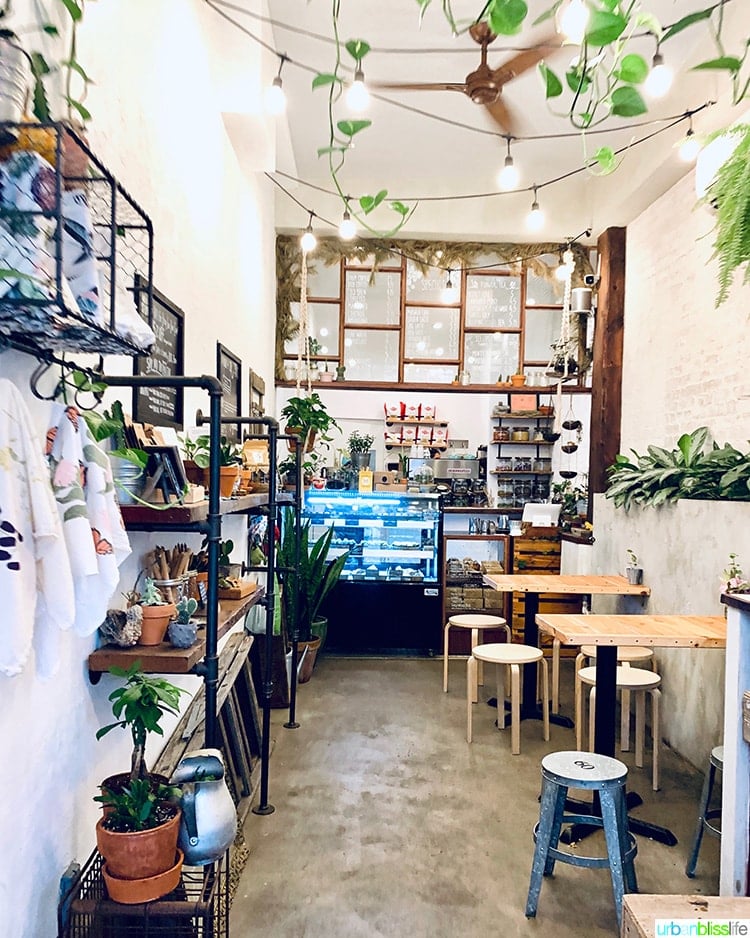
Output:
(92, 524)
(35, 580)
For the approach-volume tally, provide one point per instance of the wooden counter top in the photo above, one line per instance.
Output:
(670, 631)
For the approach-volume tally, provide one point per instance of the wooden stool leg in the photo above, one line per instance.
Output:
(500, 678)
(640, 723)
(446, 642)
(515, 710)
(480, 664)
(578, 710)
(471, 683)
(656, 737)
(625, 716)
(545, 699)
(556, 675)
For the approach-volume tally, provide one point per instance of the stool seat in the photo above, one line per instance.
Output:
(506, 657)
(624, 652)
(606, 776)
(477, 623)
(630, 678)
(706, 814)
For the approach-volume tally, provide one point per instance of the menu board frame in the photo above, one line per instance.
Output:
(167, 357)
(229, 373)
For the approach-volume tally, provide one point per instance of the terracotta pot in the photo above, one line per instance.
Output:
(228, 477)
(135, 891)
(193, 472)
(155, 622)
(518, 381)
(305, 672)
(139, 854)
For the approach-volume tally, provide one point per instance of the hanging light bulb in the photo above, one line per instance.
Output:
(347, 228)
(274, 99)
(508, 177)
(690, 146)
(449, 293)
(358, 97)
(308, 241)
(659, 79)
(535, 218)
(571, 19)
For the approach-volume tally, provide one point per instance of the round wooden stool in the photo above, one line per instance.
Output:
(587, 770)
(509, 657)
(639, 682)
(477, 623)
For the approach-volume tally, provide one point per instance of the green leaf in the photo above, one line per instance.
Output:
(370, 202)
(350, 128)
(324, 78)
(606, 160)
(633, 69)
(548, 14)
(323, 150)
(727, 63)
(423, 4)
(626, 102)
(357, 49)
(687, 21)
(74, 8)
(649, 23)
(400, 208)
(506, 16)
(604, 28)
(552, 84)
(577, 79)
(83, 111)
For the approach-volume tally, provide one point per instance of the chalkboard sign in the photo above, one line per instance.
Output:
(229, 373)
(160, 406)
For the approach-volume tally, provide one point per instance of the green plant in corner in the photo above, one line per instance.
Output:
(733, 580)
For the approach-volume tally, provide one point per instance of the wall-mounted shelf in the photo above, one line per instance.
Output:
(141, 517)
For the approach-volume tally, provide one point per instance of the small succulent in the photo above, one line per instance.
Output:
(151, 595)
(186, 607)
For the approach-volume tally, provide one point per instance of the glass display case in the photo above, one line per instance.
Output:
(388, 598)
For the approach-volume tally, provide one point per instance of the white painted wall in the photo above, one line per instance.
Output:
(160, 106)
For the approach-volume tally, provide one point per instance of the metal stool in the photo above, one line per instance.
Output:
(602, 774)
(510, 656)
(705, 814)
(477, 623)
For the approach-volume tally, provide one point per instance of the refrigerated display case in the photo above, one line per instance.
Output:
(388, 599)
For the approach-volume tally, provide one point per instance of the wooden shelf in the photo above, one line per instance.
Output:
(438, 446)
(415, 422)
(522, 443)
(520, 472)
(164, 659)
(522, 415)
(136, 515)
(452, 536)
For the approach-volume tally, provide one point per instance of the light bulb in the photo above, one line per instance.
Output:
(308, 241)
(659, 79)
(357, 96)
(449, 293)
(571, 20)
(508, 177)
(535, 218)
(347, 228)
(274, 99)
(690, 147)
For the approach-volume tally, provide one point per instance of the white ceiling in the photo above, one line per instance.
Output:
(413, 156)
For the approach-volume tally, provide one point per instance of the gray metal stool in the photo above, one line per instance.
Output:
(706, 814)
(606, 777)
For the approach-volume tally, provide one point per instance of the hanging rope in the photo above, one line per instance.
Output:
(562, 346)
(303, 346)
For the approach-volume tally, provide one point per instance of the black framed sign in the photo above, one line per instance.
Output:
(160, 406)
(229, 373)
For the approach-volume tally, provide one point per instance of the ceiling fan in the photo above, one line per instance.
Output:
(485, 84)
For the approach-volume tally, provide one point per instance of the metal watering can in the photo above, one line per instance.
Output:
(209, 817)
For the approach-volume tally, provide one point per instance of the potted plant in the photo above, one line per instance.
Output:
(306, 585)
(569, 496)
(733, 580)
(183, 629)
(157, 613)
(128, 462)
(230, 458)
(633, 571)
(307, 418)
(193, 472)
(360, 445)
(137, 834)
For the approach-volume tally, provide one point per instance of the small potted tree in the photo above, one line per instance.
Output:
(360, 447)
(633, 571)
(230, 459)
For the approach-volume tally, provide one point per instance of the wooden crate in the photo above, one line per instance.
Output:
(639, 912)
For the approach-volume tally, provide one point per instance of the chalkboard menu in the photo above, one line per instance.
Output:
(229, 373)
(160, 406)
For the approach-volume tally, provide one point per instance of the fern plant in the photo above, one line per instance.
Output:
(730, 192)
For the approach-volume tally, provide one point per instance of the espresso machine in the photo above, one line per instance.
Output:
(460, 480)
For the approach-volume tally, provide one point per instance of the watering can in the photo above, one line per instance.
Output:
(209, 818)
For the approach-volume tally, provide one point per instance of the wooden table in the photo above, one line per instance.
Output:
(609, 631)
(533, 585)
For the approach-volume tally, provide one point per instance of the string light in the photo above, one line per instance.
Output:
(535, 218)
(690, 146)
(449, 293)
(347, 228)
(308, 241)
(274, 99)
(508, 177)
(659, 79)
(357, 96)
(571, 20)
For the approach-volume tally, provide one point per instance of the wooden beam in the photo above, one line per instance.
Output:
(606, 381)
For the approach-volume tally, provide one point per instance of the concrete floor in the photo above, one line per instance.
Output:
(388, 823)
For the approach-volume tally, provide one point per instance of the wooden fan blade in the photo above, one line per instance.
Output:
(498, 111)
(417, 86)
(524, 61)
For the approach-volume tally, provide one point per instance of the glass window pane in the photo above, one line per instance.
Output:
(323, 280)
(371, 354)
(431, 287)
(431, 333)
(323, 329)
(493, 302)
(490, 356)
(429, 374)
(543, 292)
(542, 329)
(376, 303)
